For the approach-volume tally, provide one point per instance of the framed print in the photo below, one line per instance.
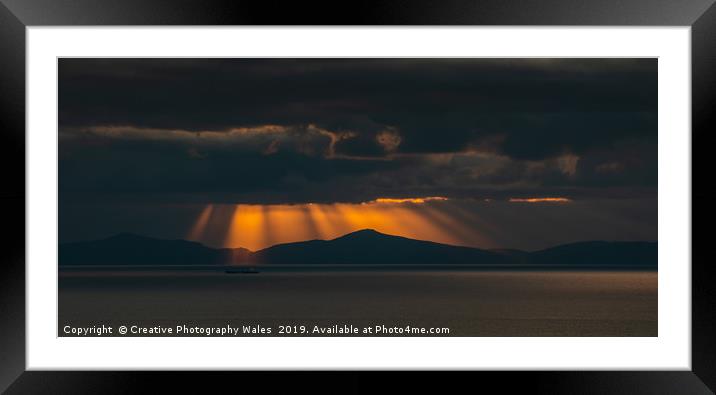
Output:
(515, 197)
(318, 210)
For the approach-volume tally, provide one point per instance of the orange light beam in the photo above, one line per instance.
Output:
(310, 222)
(197, 231)
(246, 228)
(326, 227)
(458, 231)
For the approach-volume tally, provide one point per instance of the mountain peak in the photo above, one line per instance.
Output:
(362, 233)
(365, 231)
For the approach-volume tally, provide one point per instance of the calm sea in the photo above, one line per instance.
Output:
(469, 302)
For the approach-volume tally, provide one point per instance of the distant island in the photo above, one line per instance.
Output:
(361, 247)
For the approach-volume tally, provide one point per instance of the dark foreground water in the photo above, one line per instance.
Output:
(325, 301)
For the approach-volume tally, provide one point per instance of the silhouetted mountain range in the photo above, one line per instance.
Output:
(362, 247)
(131, 249)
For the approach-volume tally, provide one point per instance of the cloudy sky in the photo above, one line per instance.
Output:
(520, 153)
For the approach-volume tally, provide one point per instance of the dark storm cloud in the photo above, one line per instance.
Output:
(293, 130)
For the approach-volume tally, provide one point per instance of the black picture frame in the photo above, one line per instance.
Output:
(16, 15)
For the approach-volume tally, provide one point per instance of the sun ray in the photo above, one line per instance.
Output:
(464, 235)
(246, 229)
(310, 222)
(268, 225)
(324, 225)
(256, 226)
(197, 231)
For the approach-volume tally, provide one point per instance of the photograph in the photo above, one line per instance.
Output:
(394, 196)
(437, 196)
